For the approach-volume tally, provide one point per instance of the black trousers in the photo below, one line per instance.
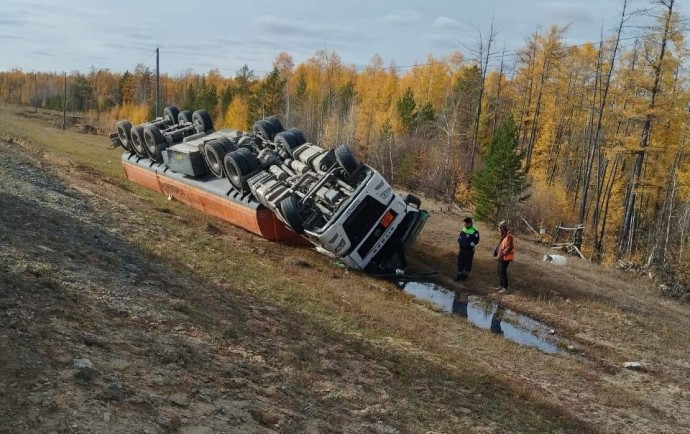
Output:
(503, 273)
(465, 257)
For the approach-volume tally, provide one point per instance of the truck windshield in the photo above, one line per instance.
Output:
(366, 216)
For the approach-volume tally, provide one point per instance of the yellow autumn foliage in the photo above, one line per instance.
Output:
(136, 114)
(548, 204)
(237, 115)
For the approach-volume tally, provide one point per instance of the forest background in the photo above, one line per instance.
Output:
(601, 127)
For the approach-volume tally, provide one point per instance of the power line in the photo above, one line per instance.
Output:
(150, 56)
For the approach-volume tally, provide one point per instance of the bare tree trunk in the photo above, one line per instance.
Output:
(390, 160)
(671, 195)
(484, 63)
(671, 187)
(533, 130)
(683, 224)
(607, 195)
(565, 119)
(497, 110)
(603, 166)
(531, 63)
(594, 143)
(626, 227)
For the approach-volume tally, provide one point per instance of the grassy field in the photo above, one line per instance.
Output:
(388, 357)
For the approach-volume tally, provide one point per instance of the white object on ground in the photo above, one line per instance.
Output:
(634, 366)
(555, 259)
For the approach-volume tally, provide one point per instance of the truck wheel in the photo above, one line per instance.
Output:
(138, 140)
(298, 136)
(228, 145)
(124, 132)
(290, 140)
(237, 169)
(214, 151)
(289, 207)
(202, 120)
(346, 159)
(251, 159)
(264, 130)
(185, 116)
(275, 124)
(247, 142)
(170, 114)
(154, 143)
(411, 199)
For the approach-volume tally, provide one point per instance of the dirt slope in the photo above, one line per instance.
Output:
(195, 326)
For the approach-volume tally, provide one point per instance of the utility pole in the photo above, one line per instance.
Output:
(158, 85)
(64, 105)
(35, 92)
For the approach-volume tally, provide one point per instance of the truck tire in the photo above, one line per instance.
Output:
(290, 140)
(214, 152)
(237, 169)
(298, 135)
(411, 199)
(202, 120)
(170, 114)
(138, 140)
(346, 159)
(264, 130)
(289, 207)
(228, 145)
(185, 116)
(251, 159)
(275, 124)
(267, 128)
(124, 133)
(154, 142)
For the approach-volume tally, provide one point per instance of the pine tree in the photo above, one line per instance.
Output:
(407, 111)
(501, 185)
(207, 97)
(426, 114)
(268, 98)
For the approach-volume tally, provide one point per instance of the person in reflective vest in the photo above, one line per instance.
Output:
(505, 253)
(468, 240)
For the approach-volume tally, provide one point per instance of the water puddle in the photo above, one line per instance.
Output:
(489, 315)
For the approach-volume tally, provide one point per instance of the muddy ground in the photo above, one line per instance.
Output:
(121, 313)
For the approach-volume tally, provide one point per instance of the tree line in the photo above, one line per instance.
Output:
(600, 128)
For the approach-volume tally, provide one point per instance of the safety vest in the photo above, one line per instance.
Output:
(469, 237)
(506, 248)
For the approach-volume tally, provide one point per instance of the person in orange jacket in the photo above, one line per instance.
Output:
(505, 253)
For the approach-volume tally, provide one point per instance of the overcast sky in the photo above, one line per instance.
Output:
(74, 35)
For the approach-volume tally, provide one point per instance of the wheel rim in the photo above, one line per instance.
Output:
(234, 175)
(136, 143)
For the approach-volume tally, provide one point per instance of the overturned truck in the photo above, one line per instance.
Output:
(273, 182)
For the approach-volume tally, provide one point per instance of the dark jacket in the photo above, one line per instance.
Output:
(469, 237)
